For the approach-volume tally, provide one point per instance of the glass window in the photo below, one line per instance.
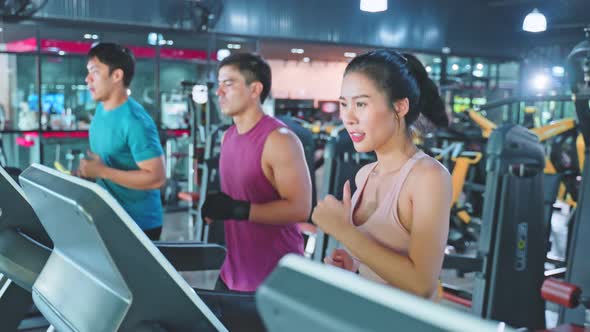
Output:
(64, 103)
(65, 148)
(509, 73)
(17, 38)
(65, 100)
(70, 47)
(17, 85)
(183, 59)
(432, 64)
(19, 149)
(143, 88)
(482, 68)
(459, 70)
(173, 94)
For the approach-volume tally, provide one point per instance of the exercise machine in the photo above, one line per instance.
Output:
(337, 300)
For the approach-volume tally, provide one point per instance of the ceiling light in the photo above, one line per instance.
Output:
(478, 73)
(558, 71)
(540, 81)
(222, 54)
(349, 54)
(455, 67)
(154, 37)
(373, 6)
(534, 22)
(297, 51)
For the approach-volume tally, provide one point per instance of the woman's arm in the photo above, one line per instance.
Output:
(431, 194)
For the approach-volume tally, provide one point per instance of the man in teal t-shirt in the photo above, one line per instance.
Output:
(126, 157)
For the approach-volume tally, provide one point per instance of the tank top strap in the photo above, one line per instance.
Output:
(405, 171)
(268, 124)
(393, 195)
(360, 189)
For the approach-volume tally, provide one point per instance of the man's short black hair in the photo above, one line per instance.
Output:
(253, 67)
(116, 57)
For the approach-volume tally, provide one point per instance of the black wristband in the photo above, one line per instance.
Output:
(220, 206)
(241, 210)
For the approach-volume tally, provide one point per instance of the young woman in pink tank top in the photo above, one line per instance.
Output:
(395, 226)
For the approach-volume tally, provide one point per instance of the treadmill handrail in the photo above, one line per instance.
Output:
(192, 256)
(118, 210)
(463, 263)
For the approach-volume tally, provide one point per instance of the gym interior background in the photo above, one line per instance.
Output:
(494, 65)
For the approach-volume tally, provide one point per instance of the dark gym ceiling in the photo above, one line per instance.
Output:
(470, 27)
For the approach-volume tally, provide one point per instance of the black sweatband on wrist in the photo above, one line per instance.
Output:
(241, 210)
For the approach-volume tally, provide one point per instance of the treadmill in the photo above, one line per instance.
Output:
(103, 273)
(339, 301)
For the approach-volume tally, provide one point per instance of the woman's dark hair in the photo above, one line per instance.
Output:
(402, 76)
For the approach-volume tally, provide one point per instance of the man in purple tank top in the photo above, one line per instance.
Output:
(265, 183)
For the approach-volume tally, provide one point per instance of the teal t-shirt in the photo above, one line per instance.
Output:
(122, 137)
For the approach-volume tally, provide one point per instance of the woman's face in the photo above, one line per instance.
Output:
(366, 113)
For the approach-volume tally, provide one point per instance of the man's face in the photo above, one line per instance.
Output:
(234, 94)
(99, 81)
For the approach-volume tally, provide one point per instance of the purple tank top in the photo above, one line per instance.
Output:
(253, 249)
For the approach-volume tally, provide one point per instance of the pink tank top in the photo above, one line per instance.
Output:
(253, 249)
(384, 225)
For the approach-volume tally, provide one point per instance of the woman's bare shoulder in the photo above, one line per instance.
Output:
(428, 171)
